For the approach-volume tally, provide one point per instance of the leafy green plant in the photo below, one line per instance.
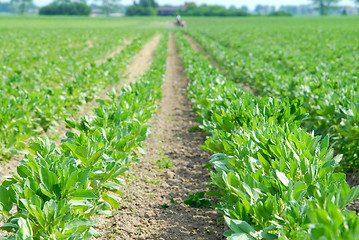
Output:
(198, 200)
(274, 179)
(36, 98)
(164, 161)
(325, 82)
(57, 190)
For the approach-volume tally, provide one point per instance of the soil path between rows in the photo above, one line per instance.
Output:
(153, 205)
(141, 63)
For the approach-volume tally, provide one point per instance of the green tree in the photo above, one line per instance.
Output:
(324, 5)
(143, 8)
(211, 10)
(148, 3)
(20, 6)
(70, 1)
(66, 8)
(109, 6)
(280, 14)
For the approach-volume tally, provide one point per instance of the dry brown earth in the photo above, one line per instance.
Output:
(153, 207)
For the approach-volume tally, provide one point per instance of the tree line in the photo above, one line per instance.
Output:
(78, 8)
(143, 8)
(59, 7)
(148, 8)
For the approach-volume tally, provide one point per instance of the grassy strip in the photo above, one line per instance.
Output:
(275, 180)
(57, 191)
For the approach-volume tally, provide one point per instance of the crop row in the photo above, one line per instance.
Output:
(318, 70)
(274, 179)
(28, 106)
(56, 191)
(48, 58)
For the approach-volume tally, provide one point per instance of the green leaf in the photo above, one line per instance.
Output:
(23, 171)
(48, 178)
(282, 177)
(298, 189)
(264, 163)
(5, 199)
(80, 152)
(353, 194)
(113, 202)
(46, 191)
(96, 156)
(25, 232)
(79, 224)
(141, 150)
(301, 117)
(197, 200)
(324, 143)
(239, 226)
(268, 236)
(83, 194)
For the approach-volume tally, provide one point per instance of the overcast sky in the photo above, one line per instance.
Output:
(251, 4)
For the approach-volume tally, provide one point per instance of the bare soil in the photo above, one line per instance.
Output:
(90, 44)
(8, 168)
(153, 206)
(353, 180)
(142, 61)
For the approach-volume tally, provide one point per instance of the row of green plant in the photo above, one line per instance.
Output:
(57, 190)
(274, 179)
(43, 55)
(317, 65)
(30, 107)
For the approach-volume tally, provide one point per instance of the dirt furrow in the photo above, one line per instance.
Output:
(171, 169)
(142, 61)
(139, 65)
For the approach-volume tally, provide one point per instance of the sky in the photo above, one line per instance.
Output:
(238, 3)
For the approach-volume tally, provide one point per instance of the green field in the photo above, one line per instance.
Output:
(279, 104)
